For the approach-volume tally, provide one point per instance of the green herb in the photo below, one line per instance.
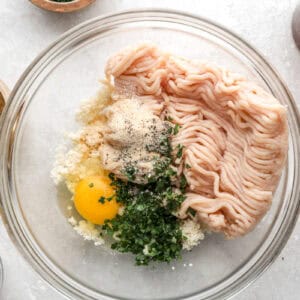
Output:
(102, 199)
(176, 129)
(187, 166)
(183, 183)
(91, 184)
(163, 146)
(174, 200)
(110, 198)
(129, 172)
(180, 149)
(148, 227)
(191, 211)
(173, 129)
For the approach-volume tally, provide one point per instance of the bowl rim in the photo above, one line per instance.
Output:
(1, 274)
(62, 7)
(75, 289)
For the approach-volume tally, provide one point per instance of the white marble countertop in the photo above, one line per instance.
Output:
(26, 30)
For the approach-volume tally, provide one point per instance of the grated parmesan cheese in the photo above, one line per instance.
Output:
(89, 232)
(72, 221)
(193, 233)
(83, 159)
(90, 109)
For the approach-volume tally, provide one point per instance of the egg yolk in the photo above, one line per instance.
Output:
(90, 199)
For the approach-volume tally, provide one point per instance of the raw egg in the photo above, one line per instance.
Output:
(94, 201)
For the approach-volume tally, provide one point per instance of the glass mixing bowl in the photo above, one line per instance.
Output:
(1, 274)
(42, 107)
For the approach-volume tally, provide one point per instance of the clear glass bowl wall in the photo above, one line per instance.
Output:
(1, 275)
(42, 107)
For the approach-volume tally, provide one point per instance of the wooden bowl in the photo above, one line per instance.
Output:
(62, 7)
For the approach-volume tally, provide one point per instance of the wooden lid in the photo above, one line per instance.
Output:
(62, 7)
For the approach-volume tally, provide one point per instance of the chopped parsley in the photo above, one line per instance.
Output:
(129, 172)
(191, 211)
(168, 118)
(176, 129)
(163, 146)
(148, 228)
(102, 199)
(91, 184)
(179, 151)
(183, 183)
(173, 129)
(187, 166)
